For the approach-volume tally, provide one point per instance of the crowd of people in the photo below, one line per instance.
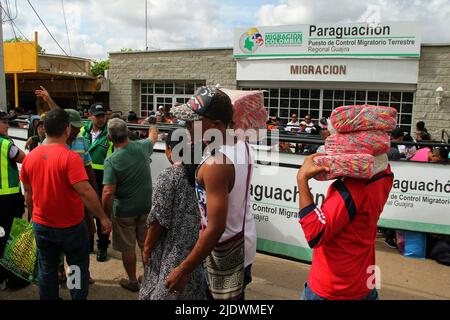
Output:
(319, 128)
(84, 181)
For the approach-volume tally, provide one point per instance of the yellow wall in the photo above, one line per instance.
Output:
(20, 57)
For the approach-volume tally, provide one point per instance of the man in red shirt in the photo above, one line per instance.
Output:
(56, 191)
(342, 234)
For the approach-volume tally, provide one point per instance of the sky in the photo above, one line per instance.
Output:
(97, 27)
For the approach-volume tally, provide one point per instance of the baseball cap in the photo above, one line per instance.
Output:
(323, 123)
(97, 109)
(207, 102)
(303, 123)
(75, 119)
(5, 116)
(397, 133)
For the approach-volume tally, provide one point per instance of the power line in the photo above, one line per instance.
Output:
(12, 21)
(65, 23)
(51, 35)
(151, 29)
(9, 9)
(70, 48)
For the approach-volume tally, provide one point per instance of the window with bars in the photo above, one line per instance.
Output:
(403, 101)
(166, 94)
(283, 102)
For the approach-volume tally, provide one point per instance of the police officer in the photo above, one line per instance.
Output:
(11, 198)
(95, 134)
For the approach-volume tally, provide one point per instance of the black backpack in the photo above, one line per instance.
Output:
(441, 252)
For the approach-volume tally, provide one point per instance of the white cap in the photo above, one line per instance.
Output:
(2, 232)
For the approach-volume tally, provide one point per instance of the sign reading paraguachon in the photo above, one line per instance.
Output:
(395, 40)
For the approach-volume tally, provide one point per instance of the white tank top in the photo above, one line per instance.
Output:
(237, 204)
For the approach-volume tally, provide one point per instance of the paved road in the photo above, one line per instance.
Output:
(275, 278)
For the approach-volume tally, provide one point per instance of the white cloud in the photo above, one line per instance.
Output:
(98, 27)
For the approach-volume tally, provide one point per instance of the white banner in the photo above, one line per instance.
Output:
(392, 40)
(419, 200)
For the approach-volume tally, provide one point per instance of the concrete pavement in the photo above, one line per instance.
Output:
(275, 278)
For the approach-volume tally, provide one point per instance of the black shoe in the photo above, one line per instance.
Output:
(102, 255)
(390, 242)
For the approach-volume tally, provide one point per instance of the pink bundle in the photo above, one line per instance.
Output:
(370, 142)
(248, 108)
(346, 165)
(358, 149)
(363, 117)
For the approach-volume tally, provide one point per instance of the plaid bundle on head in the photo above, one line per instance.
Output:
(363, 118)
(346, 165)
(361, 135)
(370, 142)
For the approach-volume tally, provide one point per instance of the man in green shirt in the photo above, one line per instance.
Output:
(127, 194)
(100, 148)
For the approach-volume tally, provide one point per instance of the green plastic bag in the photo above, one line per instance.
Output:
(20, 255)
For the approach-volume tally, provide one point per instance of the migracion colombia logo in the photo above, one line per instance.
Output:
(253, 39)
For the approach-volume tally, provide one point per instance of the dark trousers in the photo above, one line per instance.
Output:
(103, 240)
(308, 294)
(74, 242)
(11, 206)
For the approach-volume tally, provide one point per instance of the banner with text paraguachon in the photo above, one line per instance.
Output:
(419, 201)
(387, 40)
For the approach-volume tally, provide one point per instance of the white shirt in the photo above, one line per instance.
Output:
(292, 123)
(237, 206)
(236, 200)
(95, 135)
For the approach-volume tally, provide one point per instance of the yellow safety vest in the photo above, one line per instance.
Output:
(9, 173)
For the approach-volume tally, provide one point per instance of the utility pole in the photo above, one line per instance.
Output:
(3, 104)
(146, 27)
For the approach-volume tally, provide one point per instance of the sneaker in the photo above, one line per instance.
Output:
(390, 242)
(131, 286)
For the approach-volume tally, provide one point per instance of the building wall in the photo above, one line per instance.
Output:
(434, 72)
(215, 66)
(218, 66)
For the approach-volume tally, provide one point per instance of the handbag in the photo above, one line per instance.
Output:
(224, 266)
(20, 256)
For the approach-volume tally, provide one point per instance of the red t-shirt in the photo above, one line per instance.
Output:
(342, 233)
(51, 171)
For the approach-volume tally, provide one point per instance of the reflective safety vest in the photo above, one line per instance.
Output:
(100, 149)
(9, 173)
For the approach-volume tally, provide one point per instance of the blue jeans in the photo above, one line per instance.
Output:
(74, 242)
(308, 294)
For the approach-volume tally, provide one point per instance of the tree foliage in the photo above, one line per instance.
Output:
(99, 67)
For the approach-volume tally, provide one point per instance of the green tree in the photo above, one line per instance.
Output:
(21, 39)
(99, 67)
(126, 50)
